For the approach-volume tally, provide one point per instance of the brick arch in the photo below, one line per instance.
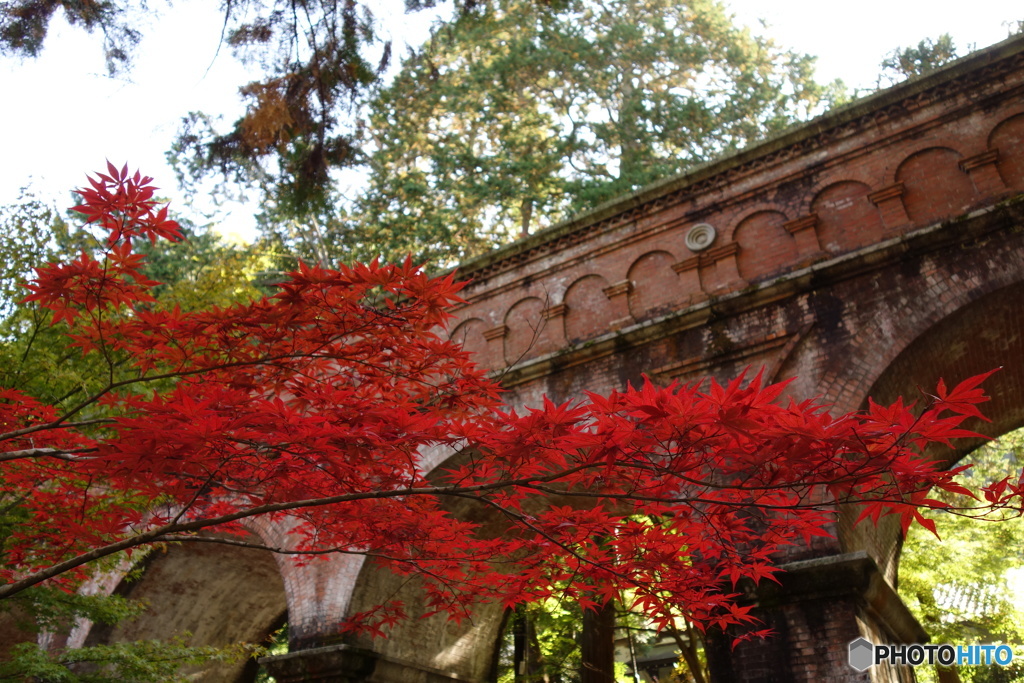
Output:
(764, 245)
(224, 594)
(588, 311)
(655, 285)
(934, 186)
(1008, 137)
(528, 334)
(985, 333)
(846, 217)
(470, 333)
(220, 594)
(433, 648)
(903, 307)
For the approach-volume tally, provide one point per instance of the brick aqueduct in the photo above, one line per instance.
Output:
(862, 253)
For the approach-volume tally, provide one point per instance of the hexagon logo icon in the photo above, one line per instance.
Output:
(862, 654)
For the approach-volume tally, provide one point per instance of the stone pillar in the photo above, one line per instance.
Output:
(554, 322)
(889, 201)
(495, 338)
(618, 296)
(689, 279)
(983, 172)
(721, 268)
(819, 607)
(348, 664)
(805, 234)
(331, 664)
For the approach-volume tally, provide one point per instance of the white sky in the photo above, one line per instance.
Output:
(63, 117)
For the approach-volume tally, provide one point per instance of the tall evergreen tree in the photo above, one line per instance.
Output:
(907, 62)
(517, 115)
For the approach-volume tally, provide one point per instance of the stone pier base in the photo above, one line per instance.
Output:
(820, 606)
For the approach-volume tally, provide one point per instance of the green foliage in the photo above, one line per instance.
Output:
(548, 632)
(959, 587)
(320, 235)
(515, 116)
(277, 644)
(51, 608)
(202, 270)
(140, 662)
(24, 25)
(906, 62)
(549, 635)
(29, 231)
(35, 357)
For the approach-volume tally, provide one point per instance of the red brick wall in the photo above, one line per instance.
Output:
(890, 166)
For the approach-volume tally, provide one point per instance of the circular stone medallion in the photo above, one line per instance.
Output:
(700, 237)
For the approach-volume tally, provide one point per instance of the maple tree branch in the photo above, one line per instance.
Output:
(321, 413)
(277, 550)
(524, 521)
(147, 537)
(68, 455)
(61, 422)
(55, 425)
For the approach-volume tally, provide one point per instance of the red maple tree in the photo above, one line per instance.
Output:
(317, 406)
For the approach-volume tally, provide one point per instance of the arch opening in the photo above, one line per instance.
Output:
(966, 585)
(217, 594)
(980, 336)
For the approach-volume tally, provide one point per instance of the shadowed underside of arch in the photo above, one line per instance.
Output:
(217, 594)
(985, 334)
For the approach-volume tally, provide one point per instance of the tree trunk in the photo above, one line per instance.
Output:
(598, 646)
(527, 659)
(630, 139)
(525, 216)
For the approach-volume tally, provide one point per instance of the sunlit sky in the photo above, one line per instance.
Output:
(63, 116)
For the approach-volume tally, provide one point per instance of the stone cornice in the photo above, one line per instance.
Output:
(886, 193)
(801, 224)
(979, 160)
(618, 289)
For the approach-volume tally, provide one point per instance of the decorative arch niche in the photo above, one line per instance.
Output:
(1008, 138)
(528, 331)
(934, 186)
(470, 334)
(846, 218)
(588, 311)
(765, 246)
(655, 285)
